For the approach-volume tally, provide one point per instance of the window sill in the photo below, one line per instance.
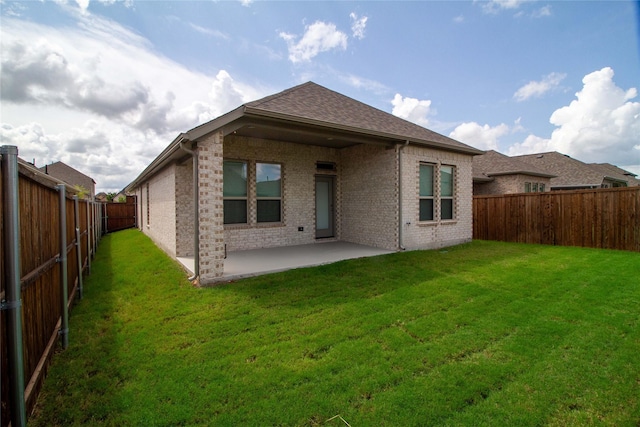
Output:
(435, 223)
(254, 225)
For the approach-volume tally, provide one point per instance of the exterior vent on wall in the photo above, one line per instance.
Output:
(326, 166)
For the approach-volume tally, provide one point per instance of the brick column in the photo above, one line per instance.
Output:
(211, 208)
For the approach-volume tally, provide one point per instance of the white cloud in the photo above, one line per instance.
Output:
(542, 12)
(358, 25)
(494, 6)
(601, 125)
(412, 109)
(318, 37)
(482, 137)
(539, 88)
(99, 98)
(458, 19)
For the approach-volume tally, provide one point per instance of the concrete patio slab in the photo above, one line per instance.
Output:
(255, 262)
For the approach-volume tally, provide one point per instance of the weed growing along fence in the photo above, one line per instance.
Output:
(55, 239)
(600, 218)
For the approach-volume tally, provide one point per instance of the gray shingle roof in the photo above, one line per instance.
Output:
(316, 103)
(617, 173)
(493, 163)
(569, 172)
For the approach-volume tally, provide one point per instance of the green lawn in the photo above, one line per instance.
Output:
(485, 333)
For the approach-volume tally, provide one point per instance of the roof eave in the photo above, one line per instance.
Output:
(162, 160)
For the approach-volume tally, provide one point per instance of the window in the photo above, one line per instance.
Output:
(426, 192)
(446, 192)
(527, 187)
(234, 192)
(541, 187)
(534, 187)
(269, 192)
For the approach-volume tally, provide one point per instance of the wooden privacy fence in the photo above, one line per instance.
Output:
(52, 241)
(606, 218)
(119, 216)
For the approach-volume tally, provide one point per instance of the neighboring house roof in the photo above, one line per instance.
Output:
(570, 173)
(69, 175)
(492, 163)
(311, 114)
(618, 173)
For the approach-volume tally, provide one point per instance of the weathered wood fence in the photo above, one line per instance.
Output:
(57, 236)
(119, 216)
(600, 218)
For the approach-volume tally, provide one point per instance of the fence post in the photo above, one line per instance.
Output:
(88, 237)
(76, 208)
(11, 215)
(64, 330)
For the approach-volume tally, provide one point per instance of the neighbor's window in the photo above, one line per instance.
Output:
(534, 188)
(426, 192)
(541, 187)
(446, 192)
(527, 187)
(269, 192)
(234, 191)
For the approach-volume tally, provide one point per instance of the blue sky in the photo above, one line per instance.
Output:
(105, 85)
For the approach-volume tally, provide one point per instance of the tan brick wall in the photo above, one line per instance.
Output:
(369, 194)
(210, 209)
(298, 196)
(509, 184)
(161, 226)
(184, 209)
(437, 233)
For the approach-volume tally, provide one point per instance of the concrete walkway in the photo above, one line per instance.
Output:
(255, 262)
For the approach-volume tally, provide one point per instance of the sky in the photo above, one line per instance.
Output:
(106, 85)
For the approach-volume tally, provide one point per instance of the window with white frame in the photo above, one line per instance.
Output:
(447, 190)
(269, 192)
(234, 191)
(426, 192)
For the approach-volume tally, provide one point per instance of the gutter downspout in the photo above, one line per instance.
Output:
(400, 217)
(196, 210)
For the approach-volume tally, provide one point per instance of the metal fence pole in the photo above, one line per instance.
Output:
(64, 330)
(88, 237)
(12, 305)
(76, 208)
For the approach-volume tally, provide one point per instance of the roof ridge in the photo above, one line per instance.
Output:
(280, 94)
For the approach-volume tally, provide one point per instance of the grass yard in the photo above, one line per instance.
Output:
(480, 334)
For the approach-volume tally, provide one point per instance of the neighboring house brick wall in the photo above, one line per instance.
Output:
(369, 194)
(210, 209)
(437, 233)
(184, 209)
(298, 196)
(161, 224)
(509, 184)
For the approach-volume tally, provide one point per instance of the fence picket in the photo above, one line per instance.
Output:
(606, 218)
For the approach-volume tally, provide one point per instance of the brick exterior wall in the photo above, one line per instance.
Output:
(298, 170)
(161, 224)
(369, 194)
(437, 233)
(184, 209)
(210, 209)
(509, 184)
